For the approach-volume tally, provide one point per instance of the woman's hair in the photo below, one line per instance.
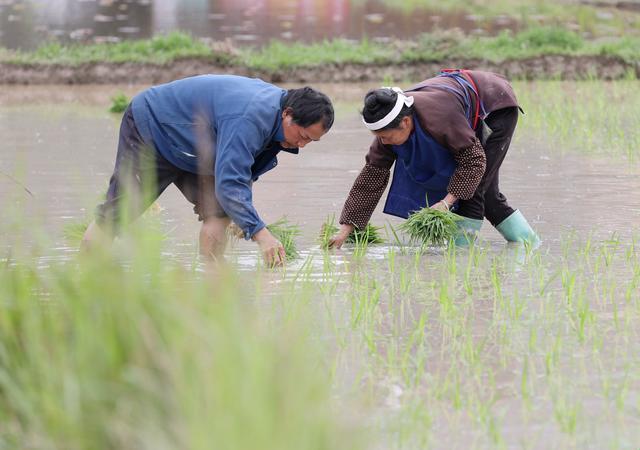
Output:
(309, 106)
(378, 103)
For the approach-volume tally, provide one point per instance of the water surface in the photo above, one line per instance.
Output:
(509, 354)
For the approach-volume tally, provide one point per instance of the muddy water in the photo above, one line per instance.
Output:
(58, 147)
(26, 23)
(56, 155)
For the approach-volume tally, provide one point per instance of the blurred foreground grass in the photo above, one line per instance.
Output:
(129, 350)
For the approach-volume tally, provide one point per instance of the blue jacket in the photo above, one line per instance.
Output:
(222, 125)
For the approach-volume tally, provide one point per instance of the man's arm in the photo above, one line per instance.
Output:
(237, 142)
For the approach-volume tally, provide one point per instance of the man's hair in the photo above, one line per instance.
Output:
(309, 106)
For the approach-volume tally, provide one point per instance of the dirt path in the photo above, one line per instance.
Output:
(544, 67)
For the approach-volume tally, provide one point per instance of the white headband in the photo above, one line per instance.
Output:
(386, 120)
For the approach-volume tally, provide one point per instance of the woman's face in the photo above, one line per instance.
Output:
(398, 135)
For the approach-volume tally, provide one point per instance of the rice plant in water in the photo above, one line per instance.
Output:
(286, 233)
(74, 231)
(431, 226)
(149, 355)
(369, 235)
(119, 103)
(328, 229)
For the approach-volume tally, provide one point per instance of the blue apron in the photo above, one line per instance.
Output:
(424, 167)
(422, 172)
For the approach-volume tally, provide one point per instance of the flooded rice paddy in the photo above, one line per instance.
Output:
(496, 346)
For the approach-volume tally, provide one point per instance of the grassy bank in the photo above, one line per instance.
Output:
(533, 42)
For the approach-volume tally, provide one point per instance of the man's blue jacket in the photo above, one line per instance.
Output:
(222, 125)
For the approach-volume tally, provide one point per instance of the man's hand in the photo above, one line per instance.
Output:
(271, 248)
(338, 239)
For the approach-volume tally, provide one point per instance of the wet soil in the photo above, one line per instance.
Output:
(543, 67)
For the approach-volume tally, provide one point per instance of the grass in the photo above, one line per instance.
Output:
(119, 103)
(275, 56)
(431, 227)
(158, 50)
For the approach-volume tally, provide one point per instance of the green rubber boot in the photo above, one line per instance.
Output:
(468, 230)
(515, 228)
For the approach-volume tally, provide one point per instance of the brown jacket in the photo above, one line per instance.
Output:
(442, 114)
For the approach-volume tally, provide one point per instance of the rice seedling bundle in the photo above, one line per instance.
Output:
(369, 235)
(286, 233)
(431, 226)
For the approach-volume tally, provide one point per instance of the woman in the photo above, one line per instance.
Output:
(448, 136)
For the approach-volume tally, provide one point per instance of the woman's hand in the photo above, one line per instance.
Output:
(446, 203)
(338, 239)
(271, 248)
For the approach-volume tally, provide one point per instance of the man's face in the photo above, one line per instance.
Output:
(296, 136)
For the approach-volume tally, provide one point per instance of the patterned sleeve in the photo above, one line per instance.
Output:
(472, 163)
(364, 196)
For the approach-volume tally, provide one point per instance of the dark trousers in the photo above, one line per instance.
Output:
(141, 174)
(488, 201)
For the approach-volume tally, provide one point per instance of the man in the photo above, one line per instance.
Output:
(212, 136)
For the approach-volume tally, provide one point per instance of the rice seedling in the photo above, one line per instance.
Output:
(430, 226)
(73, 232)
(119, 103)
(327, 230)
(286, 233)
(369, 235)
(148, 355)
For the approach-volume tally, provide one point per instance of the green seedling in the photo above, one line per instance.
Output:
(119, 103)
(369, 235)
(431, 227)
(286, 233)
(328, 229)
(73, 232)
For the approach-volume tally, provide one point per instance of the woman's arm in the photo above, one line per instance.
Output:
(365, 192)
(471, 165)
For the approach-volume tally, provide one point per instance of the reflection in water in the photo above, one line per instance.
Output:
(26, 23)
